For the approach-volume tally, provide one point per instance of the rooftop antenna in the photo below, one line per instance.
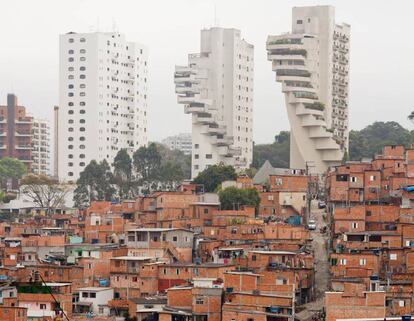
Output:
(216, 24)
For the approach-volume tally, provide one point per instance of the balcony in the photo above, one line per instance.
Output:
(24, 147)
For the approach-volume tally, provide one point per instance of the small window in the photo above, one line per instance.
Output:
(93, 295)
(71, 40)
(70, 87)
(81, 146)
(70, 112)
(372, 178)
(209, 156)
(299, 22)
(196, 146)
(353, 179)
(82, 138)
(82, 164)
(354, 225)
(342, 261)
(70, 174)
(196, 156)
(70, 59)
(199, 301)
(83, 68)
(82, 76)
(82, 129)
(175, 238)
(82, 121)
(70, 69)
(82, 39)
(70, 52)
(82, 51)
(82, 103)
(393, 256)
(82, 156)
(82, 58)
(362, 262)
(82, 111)
(254, 258)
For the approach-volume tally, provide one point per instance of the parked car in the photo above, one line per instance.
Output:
(312, 224)
(321, 204)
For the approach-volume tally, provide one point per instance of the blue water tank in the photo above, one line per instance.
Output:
(103, 282)
(94, 241)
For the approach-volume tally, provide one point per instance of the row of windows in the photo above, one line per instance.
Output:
(82, 94)
(73, 77)
(208, 156)
(71, 52)
(82, 164)
(71, 59)
(82, 129)
(82, 68)
(71, 40)
(71, 86)
(71, 112)
(82, 103)
(71, 121)
(82, 138)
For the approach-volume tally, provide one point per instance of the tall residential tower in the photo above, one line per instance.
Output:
(312, 63)
(216, 88)
(103, 99)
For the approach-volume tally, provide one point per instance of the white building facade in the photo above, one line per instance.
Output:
(181, 142)
(312, 64)
(40, 147)
(103, 99)
(216, 88)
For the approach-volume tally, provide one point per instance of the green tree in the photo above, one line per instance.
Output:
(233, 197)
(123, 174)
(214, 175)
(11, 168)
(176, 157)
(95, 183)
(47, 193)
(370, 140)
(147, 164)
(277, 153)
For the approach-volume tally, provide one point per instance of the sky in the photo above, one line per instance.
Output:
(381, 70)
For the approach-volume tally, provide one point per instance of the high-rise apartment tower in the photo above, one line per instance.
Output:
(312, 64)
(103, 99)
(216, 88)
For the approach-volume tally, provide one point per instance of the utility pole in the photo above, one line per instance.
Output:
(308, 191)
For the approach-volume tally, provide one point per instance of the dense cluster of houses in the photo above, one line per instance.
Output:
(166, 256)
(177, 256)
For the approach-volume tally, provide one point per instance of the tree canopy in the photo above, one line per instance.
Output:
(231, 198)
(214, 175)
(11, 168)
(277, 153)
(47, 193)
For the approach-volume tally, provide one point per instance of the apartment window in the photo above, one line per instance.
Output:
(82, 51)
(354, 225)
(82, 94)
(70, 146)
(82, 39)
(82, 86)
(70, 87)
(82, 129)
(353, 179)
(81, 146)
(368, 213)
(209, 156)
(342, 261)
(83, 68)
(362, 262)
(278, 181)
(70, 69)
(70, 112)
(196, 146)
(70, 139)
(71, 40)
(82, 156)
(70, 94)
(82, 103)
(82, 58)
(70, 174)
(372, 178)
(254, 257)
(42, 306)
(70, 52)
(270, 197)
(196, 166)
(196, 156)
(70, 156)
(82, 111)
(175, 238)
(177, 271)
(82, 121)
(70, 59)
(70, 104)
(393, 256)
(82, 164)
(199, 301)
(82, 138)
(70, 77)
(401, 303)
(70, 164)
(70, 129)
(93, 295)
(82, 76)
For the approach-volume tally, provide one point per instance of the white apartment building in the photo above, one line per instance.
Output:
(103, 99)
(312, 64)
(216, 88)
(181, 142)
(40, 147)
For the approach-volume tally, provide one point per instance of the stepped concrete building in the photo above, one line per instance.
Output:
(102, 101)
(312, 64)
(181, 142)
(216, 88)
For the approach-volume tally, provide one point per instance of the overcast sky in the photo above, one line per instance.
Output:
(382, 52)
